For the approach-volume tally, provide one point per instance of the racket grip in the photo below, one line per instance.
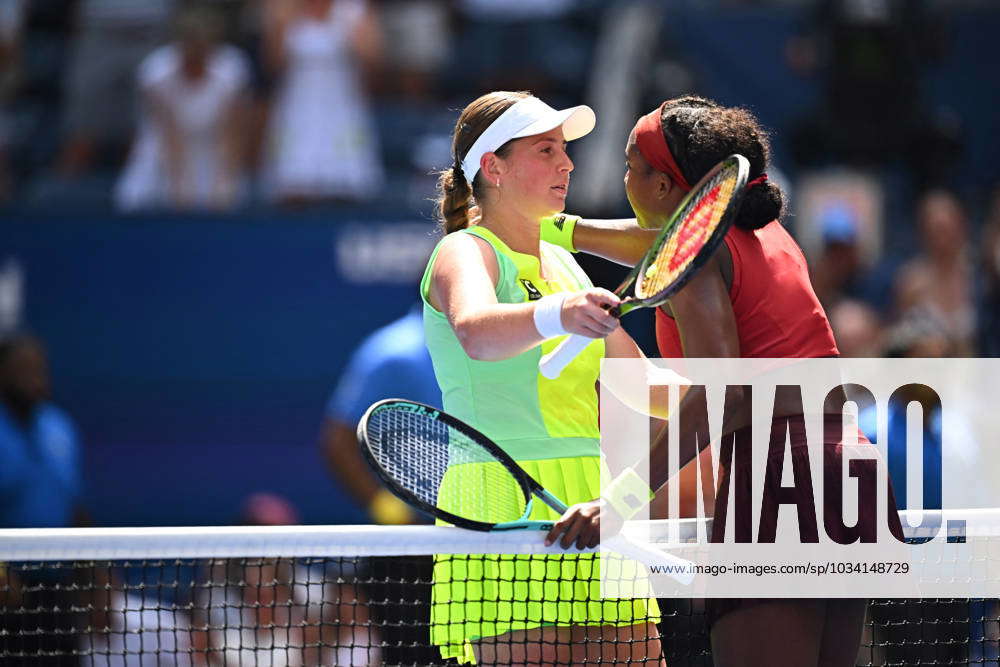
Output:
(675, 567)
(553, 363)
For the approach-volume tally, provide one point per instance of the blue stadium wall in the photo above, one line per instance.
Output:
(196, 355)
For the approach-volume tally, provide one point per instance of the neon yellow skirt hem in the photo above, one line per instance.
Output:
(479, 596)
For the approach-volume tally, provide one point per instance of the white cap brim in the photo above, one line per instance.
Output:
(576, 122)
(526, 118)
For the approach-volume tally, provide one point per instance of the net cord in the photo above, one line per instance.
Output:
(61, 544)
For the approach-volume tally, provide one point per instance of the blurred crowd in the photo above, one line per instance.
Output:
(942, 301)
(220, 105)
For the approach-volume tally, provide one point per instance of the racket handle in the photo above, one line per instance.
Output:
(553, 363)
(675, 567)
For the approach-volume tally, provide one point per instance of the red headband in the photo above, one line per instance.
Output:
(653, 146)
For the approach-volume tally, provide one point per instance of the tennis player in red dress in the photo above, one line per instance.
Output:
(752, 299)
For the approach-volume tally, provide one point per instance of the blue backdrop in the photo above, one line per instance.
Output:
(196, 355)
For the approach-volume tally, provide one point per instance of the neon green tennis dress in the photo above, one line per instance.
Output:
(550, 428)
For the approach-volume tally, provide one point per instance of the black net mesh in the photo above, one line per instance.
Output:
(378, 610)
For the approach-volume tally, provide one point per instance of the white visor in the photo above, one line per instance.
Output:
(527, 118)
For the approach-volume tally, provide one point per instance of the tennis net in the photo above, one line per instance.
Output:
(361, 595)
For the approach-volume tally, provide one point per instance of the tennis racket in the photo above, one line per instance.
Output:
(685, 243)
(449, 470)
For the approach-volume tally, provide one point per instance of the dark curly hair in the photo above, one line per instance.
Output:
(701, 132)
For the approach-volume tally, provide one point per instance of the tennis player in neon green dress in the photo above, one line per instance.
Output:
(496, 298)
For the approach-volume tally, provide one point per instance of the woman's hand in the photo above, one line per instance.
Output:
(581, 524)
(586, 313)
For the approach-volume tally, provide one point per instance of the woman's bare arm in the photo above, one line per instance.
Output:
(463, 282)
(707, 326)
(620, 241)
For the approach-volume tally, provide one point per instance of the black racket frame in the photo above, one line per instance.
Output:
(707, 251)
(527, 483)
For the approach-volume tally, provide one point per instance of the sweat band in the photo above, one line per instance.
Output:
(628, 493)
(558, 230)
(653, 146)
(548, 315)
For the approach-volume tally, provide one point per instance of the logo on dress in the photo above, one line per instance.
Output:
(533, 293)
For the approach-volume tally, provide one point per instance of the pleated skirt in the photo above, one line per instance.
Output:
(477, 596)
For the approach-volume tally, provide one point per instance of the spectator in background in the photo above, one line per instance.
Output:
(936, 285)
(131, 626)
(938, 632)
(989, 308)
(40, 481)
(393, 362)
(281, 611)
(39, 488)
(918, 335)
(836, 272)
(321, 139)
(508, 45)
(11, 25)
(870, 57)
(38, 35)
(189, 151)
(857, 329)
(417, 39)
(112, 37)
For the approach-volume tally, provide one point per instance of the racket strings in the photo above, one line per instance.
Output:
(443, 467)
(700, 218)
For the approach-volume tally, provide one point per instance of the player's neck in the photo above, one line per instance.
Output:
(518, 231)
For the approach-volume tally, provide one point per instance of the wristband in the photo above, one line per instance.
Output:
(548, 315)
(627, 494)
(387, 509)
(558, 230)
